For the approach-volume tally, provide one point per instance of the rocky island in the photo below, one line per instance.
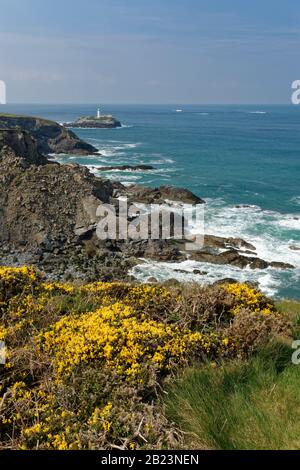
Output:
(101, 121)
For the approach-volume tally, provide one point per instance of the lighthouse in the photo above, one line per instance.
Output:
(98, 113)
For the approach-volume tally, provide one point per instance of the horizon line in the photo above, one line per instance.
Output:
(95, 103)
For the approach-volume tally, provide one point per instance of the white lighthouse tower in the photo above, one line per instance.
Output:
(98, 113)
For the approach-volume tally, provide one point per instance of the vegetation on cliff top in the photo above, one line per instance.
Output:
(88, 365)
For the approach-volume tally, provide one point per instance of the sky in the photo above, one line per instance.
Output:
(142, 51)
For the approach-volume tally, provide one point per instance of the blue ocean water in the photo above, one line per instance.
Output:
(231, 156)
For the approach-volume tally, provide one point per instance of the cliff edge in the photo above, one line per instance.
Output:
(51, 137)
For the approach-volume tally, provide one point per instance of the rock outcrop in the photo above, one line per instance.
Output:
(51, 137)
(44, 203)
(233, 251)
(161, 195)
(90, 122)
(18, 149)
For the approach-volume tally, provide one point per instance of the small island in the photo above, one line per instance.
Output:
(101, 121)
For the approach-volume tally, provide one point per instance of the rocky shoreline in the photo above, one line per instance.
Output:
(48, 213)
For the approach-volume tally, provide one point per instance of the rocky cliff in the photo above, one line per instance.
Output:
(41, 202)
(18, 149)
(51, 137)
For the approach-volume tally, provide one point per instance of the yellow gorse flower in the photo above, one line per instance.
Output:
(119, 339)
(248, 297)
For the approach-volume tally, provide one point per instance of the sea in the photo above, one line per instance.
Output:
(244, 161)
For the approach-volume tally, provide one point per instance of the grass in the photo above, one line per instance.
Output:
(23, 116)
(252, 404)
(291, 308)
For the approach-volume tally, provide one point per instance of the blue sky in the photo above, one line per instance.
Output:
(158, 51)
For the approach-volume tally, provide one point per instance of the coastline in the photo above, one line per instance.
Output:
(128, 149)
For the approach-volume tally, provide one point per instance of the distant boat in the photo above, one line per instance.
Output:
(178, 110)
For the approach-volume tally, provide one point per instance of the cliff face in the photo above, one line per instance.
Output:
(18, 148)
(50, 136)
(43, 203)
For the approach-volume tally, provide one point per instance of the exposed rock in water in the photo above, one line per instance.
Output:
(201, 273)
(236, 258)
(125, 167)
(294, 248)
(102, 122)
(227, 243)
(51, 137)
(280, 265)
(142, 194)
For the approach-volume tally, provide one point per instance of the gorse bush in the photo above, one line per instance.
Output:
(15, 282)
(87, 363)
(116, 338)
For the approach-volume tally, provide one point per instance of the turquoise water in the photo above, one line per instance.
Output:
(228, 155)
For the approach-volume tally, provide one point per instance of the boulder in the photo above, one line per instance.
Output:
(235, 258)
(281, 265)
(161, 195)
(227, 242)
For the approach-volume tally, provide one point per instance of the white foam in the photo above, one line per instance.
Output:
(159, 159)
(257, 112)
(261, 228)
(116, 177)
(289, 222)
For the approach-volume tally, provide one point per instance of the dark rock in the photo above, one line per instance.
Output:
(142, 194)
(257, 263)
(226, 280)
(201, 273)
(280, 265)
(213, 241)
(158, 250)
(126, 167)
(294, 247)
(232, 257)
